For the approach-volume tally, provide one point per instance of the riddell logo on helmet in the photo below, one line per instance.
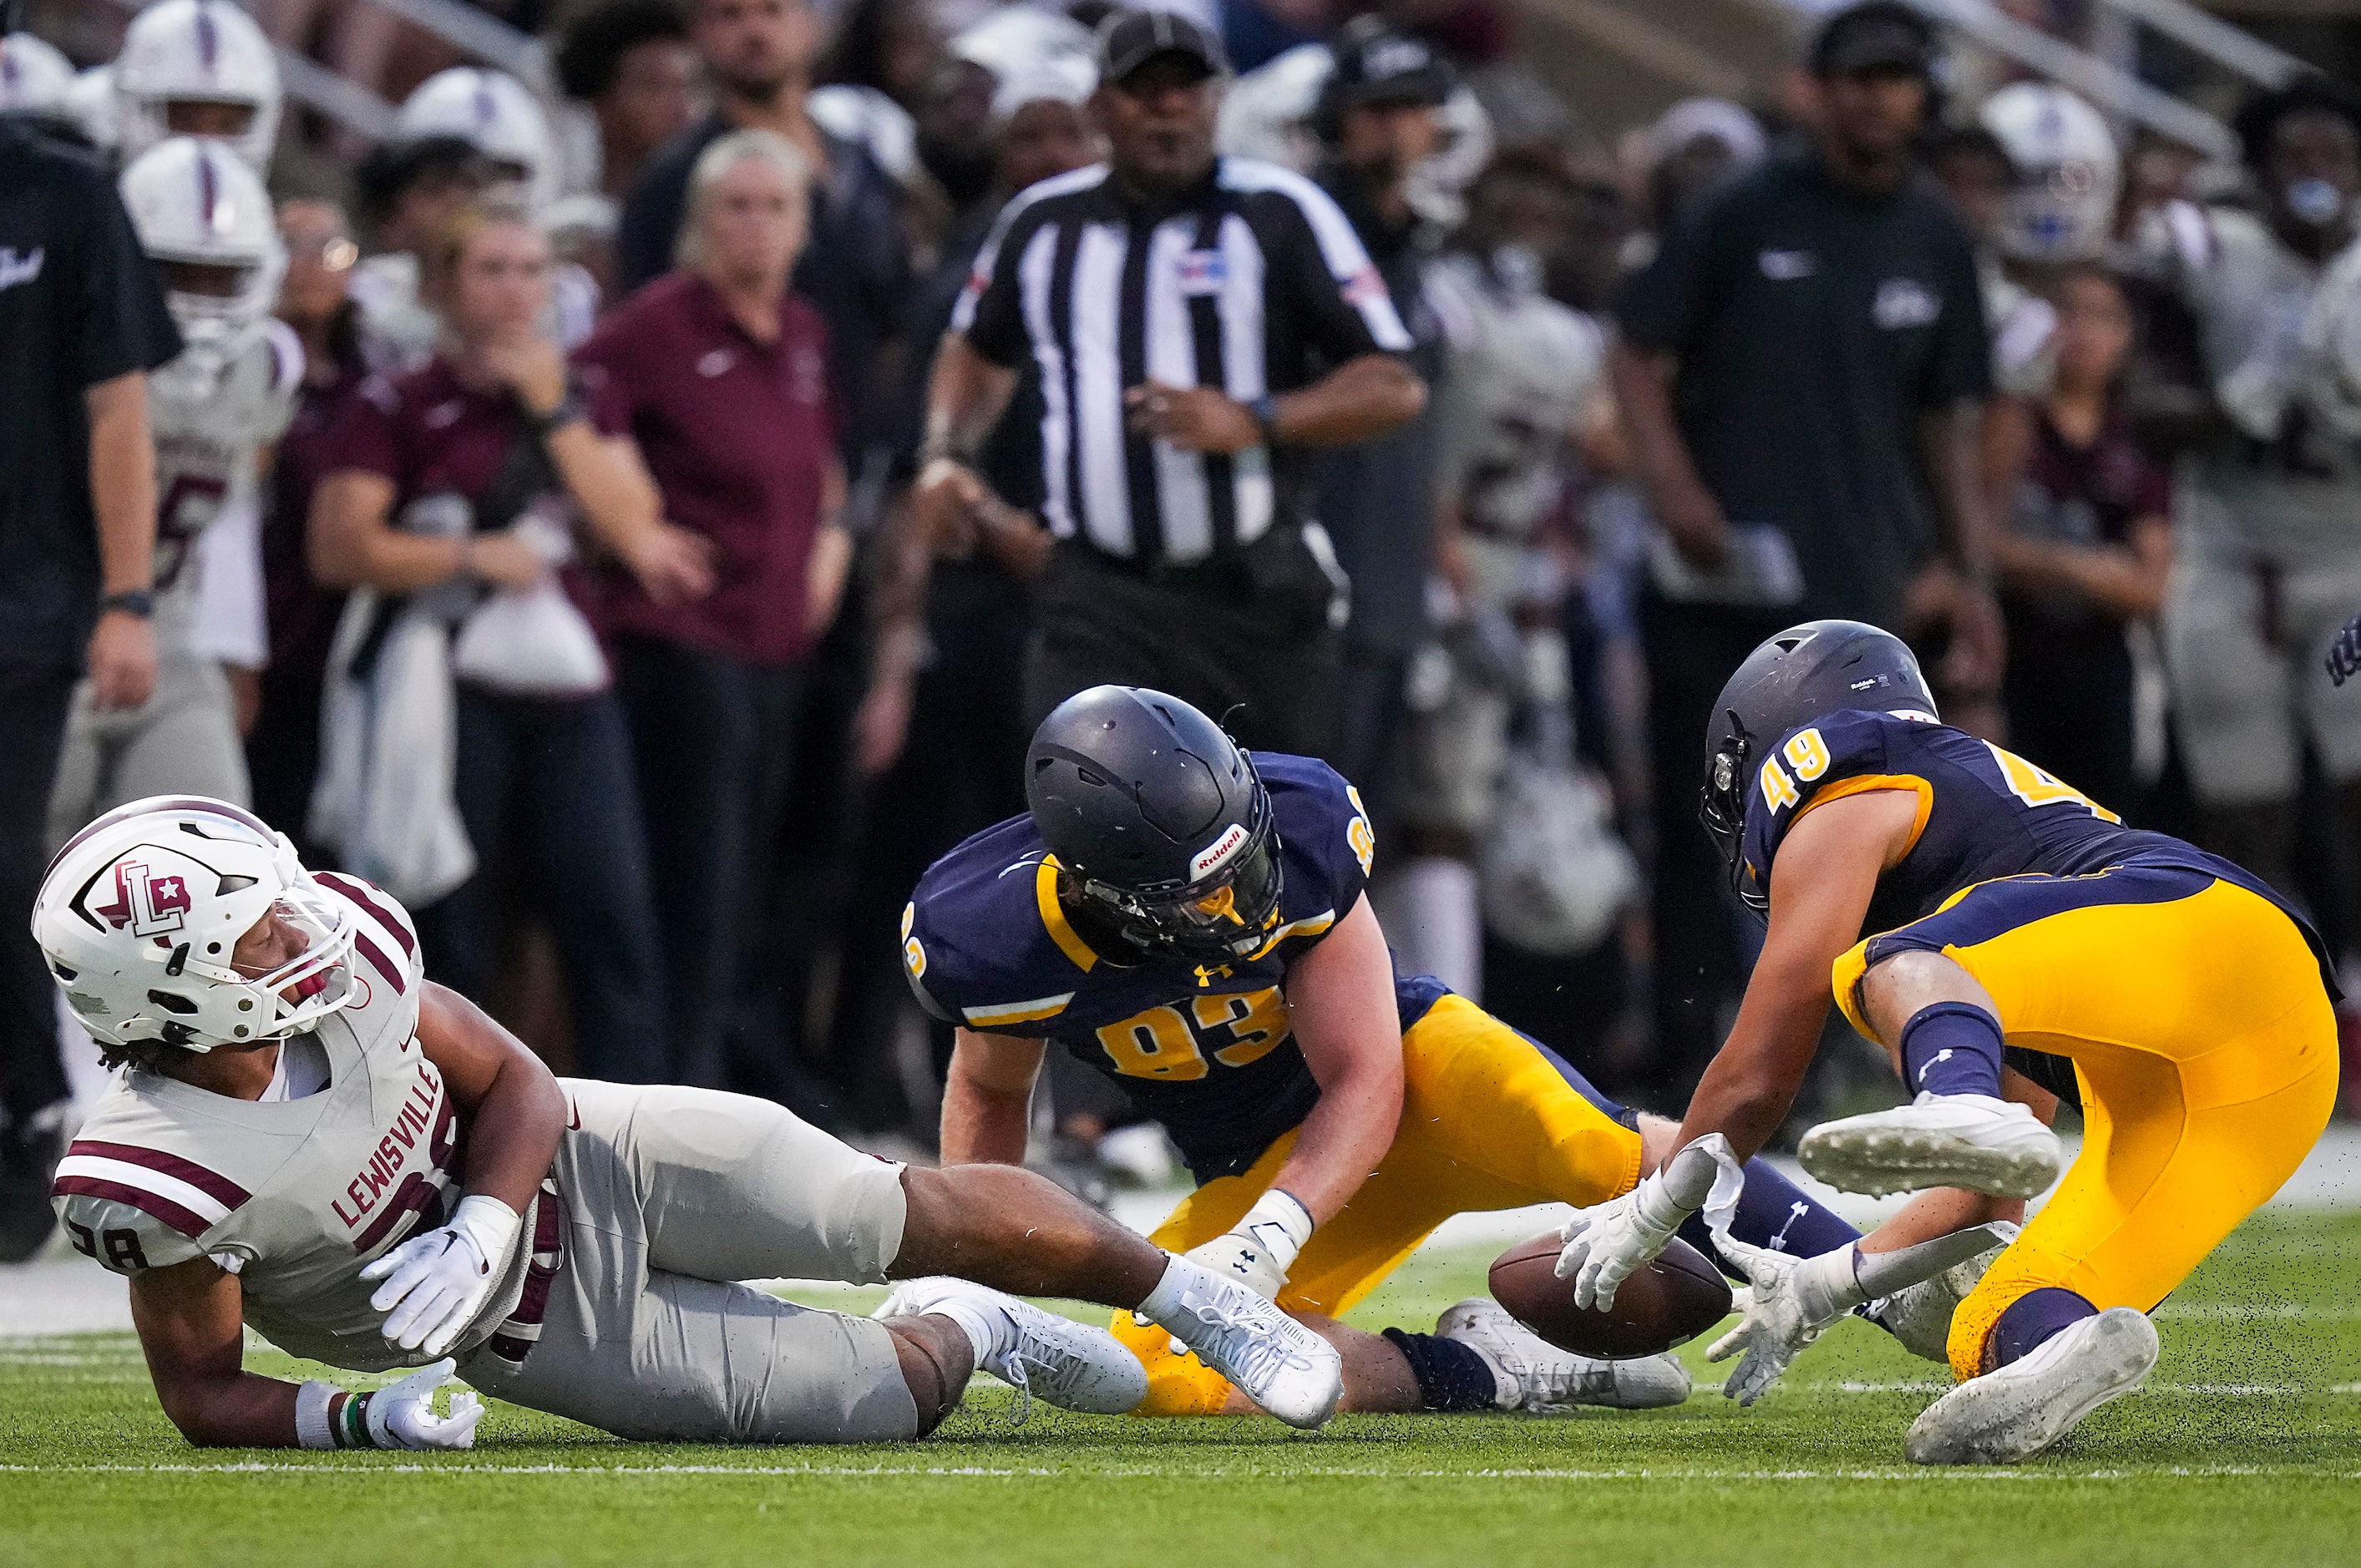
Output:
(149, 905)
(1210, 858)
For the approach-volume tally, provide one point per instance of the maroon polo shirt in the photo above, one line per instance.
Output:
(739, 435)
(429, 434)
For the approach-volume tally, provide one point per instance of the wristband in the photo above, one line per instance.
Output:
(1279, 1225)
(353, 1428)
(569, 409)
(1265, 410)
(140, 602)
(313, 1429)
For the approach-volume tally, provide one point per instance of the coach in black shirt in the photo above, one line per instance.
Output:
(1197, 323)
(83, 323)
(1800, 371)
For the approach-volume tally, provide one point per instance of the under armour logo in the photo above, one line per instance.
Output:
(1933, 1062)
(1207, 976)
(149, 906)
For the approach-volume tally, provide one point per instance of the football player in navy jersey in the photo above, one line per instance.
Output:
(2011, 943)
(1189, 919)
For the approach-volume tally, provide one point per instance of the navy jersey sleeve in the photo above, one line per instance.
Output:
(1326, 846)
(984, 942)
(1834, 756)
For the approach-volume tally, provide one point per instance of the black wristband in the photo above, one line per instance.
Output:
(569, 409)
(1265, 410)
(140, 602)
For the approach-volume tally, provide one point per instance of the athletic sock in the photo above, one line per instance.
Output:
(1774, 1213)
(982, 1323)
(1952, 1047)
(2031, 1320)
(1452, 1378)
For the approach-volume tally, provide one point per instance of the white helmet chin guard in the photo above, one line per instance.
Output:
(2068, 172)
(197, 51)
(139, 912)
(493, 111)
(193, 200)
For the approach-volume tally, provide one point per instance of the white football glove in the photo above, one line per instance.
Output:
(1608, 1243)
(402, 1415)
(1259, 1250)
(1789, 1303)
(437, 1283)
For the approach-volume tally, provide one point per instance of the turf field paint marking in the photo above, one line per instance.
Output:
(1094, 1473)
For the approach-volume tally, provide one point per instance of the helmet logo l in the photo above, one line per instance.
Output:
(148, 906)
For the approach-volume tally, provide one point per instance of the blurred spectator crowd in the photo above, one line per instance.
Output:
(537, 543)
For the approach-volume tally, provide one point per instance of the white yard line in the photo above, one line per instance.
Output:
(330, 1467)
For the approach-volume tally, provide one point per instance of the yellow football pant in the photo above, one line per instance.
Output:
(1488, 1123)
(2205, 1046)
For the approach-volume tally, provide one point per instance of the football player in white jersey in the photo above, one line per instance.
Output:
(207, 226)
(199, 68)
(313, 1139)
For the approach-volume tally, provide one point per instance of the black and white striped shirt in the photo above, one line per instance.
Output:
(1255, 282)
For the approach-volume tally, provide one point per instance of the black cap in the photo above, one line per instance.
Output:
(1376, 65)
(1129, 39)
(1880, 34)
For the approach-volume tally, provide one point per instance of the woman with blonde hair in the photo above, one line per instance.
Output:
(722, 375)
(454, 493)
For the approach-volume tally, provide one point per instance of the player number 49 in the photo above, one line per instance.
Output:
(1807, 754)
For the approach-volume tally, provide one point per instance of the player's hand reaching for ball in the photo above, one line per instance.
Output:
(1608, 1243)
(1790, 1300)
(437, 1283)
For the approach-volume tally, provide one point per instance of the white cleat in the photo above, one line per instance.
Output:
(1539, 1378)
(1267, 1355)
(2025, 1407)
(1040, 1355)
(1971, 1141)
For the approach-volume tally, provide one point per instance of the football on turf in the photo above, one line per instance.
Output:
(1669, 1302)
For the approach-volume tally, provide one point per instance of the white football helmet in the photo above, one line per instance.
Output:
(196, 52)
(193, 200)
(140, 914)
(2068, 172)
(1267, 113)
(494, 111)
(34, 77)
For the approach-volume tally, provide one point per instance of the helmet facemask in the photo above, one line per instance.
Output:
(1722, 807)
(1225, 915)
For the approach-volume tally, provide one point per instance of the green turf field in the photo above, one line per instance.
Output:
(2246, 1447)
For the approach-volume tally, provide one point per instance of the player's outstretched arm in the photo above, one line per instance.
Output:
(987, 1097)
(1342, 997)
(192, 1324)
(1820, 887)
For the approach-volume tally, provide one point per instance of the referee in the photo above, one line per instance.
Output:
(1197, 323)
(83, 321)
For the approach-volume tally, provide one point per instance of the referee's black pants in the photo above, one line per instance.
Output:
(1258, 656)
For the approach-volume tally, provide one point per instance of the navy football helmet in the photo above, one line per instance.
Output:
(1158, 820)
(1819, 667)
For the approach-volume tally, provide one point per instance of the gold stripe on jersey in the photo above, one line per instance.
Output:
(1862, 784)
(1031, 1012)
(1053, 918)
